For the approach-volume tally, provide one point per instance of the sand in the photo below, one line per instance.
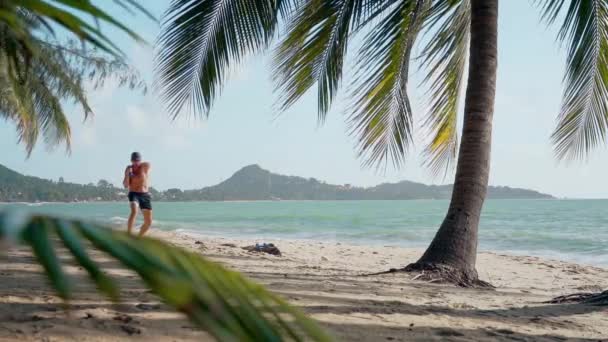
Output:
(324, 278)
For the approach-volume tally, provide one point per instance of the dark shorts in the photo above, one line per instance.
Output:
(142, 198)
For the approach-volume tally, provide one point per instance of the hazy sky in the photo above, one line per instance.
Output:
(243, 128)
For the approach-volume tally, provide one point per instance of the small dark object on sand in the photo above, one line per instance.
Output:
(228, 245)
(123, 318)
(198, 243)
(130, 330)
(264, 248)
(147, 307)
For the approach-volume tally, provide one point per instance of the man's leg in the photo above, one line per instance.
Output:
(147, 221)
(132, 216)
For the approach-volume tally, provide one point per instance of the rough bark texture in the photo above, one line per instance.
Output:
(452, 253)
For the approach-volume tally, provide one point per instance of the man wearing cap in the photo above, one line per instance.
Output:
(136, 180)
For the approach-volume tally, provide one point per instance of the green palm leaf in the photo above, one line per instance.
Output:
(202, 40)
(38, 78)
(67, 14)
(32, 96)
(39, 72)
(583, 121)
(445, 60)
(222, 302)
(314, 49)
(382, 116)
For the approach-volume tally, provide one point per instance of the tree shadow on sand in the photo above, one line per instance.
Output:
(353, 296)
(373, 332)
(28, 307)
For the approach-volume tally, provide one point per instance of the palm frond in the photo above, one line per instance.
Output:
(40, 72)
(38, 78)
(85, 64)
(382, 116)
(445, 60)
(314, 49)
(583, 120)
(50, 116)
(68, 14)
(201, 40)
(34, 94)
(223, 302)
(18, 104)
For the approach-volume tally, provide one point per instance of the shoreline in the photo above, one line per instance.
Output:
(324, 280)
(382, 244)
(581, 256)
(171, 235)
(316, 200)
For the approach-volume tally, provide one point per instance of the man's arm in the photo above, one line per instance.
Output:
(145, 166)
(125, 180)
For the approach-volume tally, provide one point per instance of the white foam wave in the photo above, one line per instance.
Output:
(118, 219)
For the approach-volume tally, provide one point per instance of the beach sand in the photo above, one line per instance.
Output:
(324, 279)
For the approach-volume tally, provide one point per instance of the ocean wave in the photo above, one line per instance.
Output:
(120, 219)
(117, 219)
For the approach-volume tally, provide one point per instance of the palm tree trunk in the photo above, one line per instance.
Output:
(453, 251)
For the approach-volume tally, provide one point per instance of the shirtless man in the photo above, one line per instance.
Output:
(136, 180)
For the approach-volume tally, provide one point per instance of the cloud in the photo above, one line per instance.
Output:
(104, 93)
(142, 59)
(149, 124)
(87, 135)
(175, 141)
(139, 122)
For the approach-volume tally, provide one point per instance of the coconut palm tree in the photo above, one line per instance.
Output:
(37, 72)
(69, 15)
(201, 40)
(35, 88)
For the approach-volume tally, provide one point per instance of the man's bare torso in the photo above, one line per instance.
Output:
(138, 178)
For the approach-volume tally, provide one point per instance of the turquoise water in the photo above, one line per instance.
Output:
(573, 230)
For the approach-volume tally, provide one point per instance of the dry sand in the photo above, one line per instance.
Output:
(324, 279)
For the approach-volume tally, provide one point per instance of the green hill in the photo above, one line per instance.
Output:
(250, 183)
(254, 183)
(15, 187)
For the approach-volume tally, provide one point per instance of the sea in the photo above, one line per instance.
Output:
(569, 230)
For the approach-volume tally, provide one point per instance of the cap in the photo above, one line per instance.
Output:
(135, 156)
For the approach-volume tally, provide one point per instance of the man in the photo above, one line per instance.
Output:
(136, 180)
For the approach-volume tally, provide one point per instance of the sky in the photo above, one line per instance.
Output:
(243, 127)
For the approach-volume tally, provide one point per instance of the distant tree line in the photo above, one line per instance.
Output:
(250, 183)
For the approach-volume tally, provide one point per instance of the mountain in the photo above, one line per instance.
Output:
(251, 183)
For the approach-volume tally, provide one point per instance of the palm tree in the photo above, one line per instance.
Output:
(35, 88)
(18, 16)
(202, 39)
(37, 72)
